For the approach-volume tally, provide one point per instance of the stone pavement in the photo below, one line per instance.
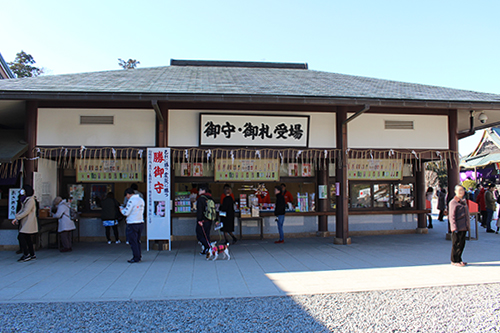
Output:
(100, 272)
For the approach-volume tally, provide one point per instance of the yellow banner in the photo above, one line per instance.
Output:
(93, 170)
(372, 169)
(246, 170)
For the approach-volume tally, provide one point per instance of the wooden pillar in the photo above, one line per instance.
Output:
(420, 200)
(322, 179)
(342, 217)
(161, 127)
(453, 168)
(30, 130)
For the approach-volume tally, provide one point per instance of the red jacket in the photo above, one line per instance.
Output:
(480, 200)
(288, 197)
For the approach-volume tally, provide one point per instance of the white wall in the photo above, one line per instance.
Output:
(183, 127)
(45, 180)
(61, 127)
(368, 131)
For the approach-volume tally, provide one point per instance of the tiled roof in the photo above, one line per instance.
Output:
(240, 81)
(5, 72)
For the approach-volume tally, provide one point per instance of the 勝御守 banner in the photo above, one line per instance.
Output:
(158, 195)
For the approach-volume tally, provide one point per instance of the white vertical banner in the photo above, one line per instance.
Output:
(158, 196)
(13, 198)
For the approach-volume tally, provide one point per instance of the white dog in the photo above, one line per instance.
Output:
(214, 251)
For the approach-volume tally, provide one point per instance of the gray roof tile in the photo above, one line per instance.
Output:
(241, 81)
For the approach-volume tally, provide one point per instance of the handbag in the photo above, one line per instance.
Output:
(109, 223)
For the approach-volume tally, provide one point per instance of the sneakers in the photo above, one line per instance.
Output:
(25, 258)
(279, 242)
(204, 252)
(109, 242)
(127, 243)
(490, 231)
(117, 242)
(132, 261)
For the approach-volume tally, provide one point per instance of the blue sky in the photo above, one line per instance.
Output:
(445, 43)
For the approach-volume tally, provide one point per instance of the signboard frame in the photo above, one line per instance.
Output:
(240, 130)
(159, 196)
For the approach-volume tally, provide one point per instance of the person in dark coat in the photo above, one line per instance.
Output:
(227, 214)
(442, 204)
(109, 215)
(459, 225)
(279, 212)
(203, 224)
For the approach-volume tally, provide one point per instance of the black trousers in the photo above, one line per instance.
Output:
(441, 215)
(457, 245)
(134, 231)
(26, 242)
(203, 233)
(115, 231)
(429, 218)
(484, 217)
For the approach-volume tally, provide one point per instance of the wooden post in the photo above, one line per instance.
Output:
(30, 131)
(322, 179)
(453, 168)
(342, 217)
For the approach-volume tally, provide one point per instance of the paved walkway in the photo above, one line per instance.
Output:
(257, 268)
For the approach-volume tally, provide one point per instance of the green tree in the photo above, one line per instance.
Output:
(129, 64)
(22, 65)
(441, 173)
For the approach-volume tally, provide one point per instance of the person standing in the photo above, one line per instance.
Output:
(109, 216)
(62, 212)
(286, 194)
(204, 222)
(490, 202)
(279, 212)
(441, 204)
(482, 205)
(262, 194)
(135, 188)
(227, 214)
(428, 197)
(459, 224)
(26, 217)
(134, 212)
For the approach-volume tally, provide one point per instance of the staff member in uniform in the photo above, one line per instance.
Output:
(286, 194)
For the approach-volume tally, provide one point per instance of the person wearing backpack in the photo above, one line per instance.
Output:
(110, 214)
(205, 215)
(62, 212)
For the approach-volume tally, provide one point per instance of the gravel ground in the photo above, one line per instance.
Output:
(445, 309)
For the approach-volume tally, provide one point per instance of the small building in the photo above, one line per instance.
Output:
(484, 162)
(5, 72)
(350, 149)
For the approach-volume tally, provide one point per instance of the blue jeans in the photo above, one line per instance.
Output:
(134, 231)
(489, 217)
(281, 220)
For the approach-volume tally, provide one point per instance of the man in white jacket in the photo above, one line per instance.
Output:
(134, 211)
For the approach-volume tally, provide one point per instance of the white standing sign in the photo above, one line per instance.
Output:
(254, 130)
(13, 198)
(159, 196)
